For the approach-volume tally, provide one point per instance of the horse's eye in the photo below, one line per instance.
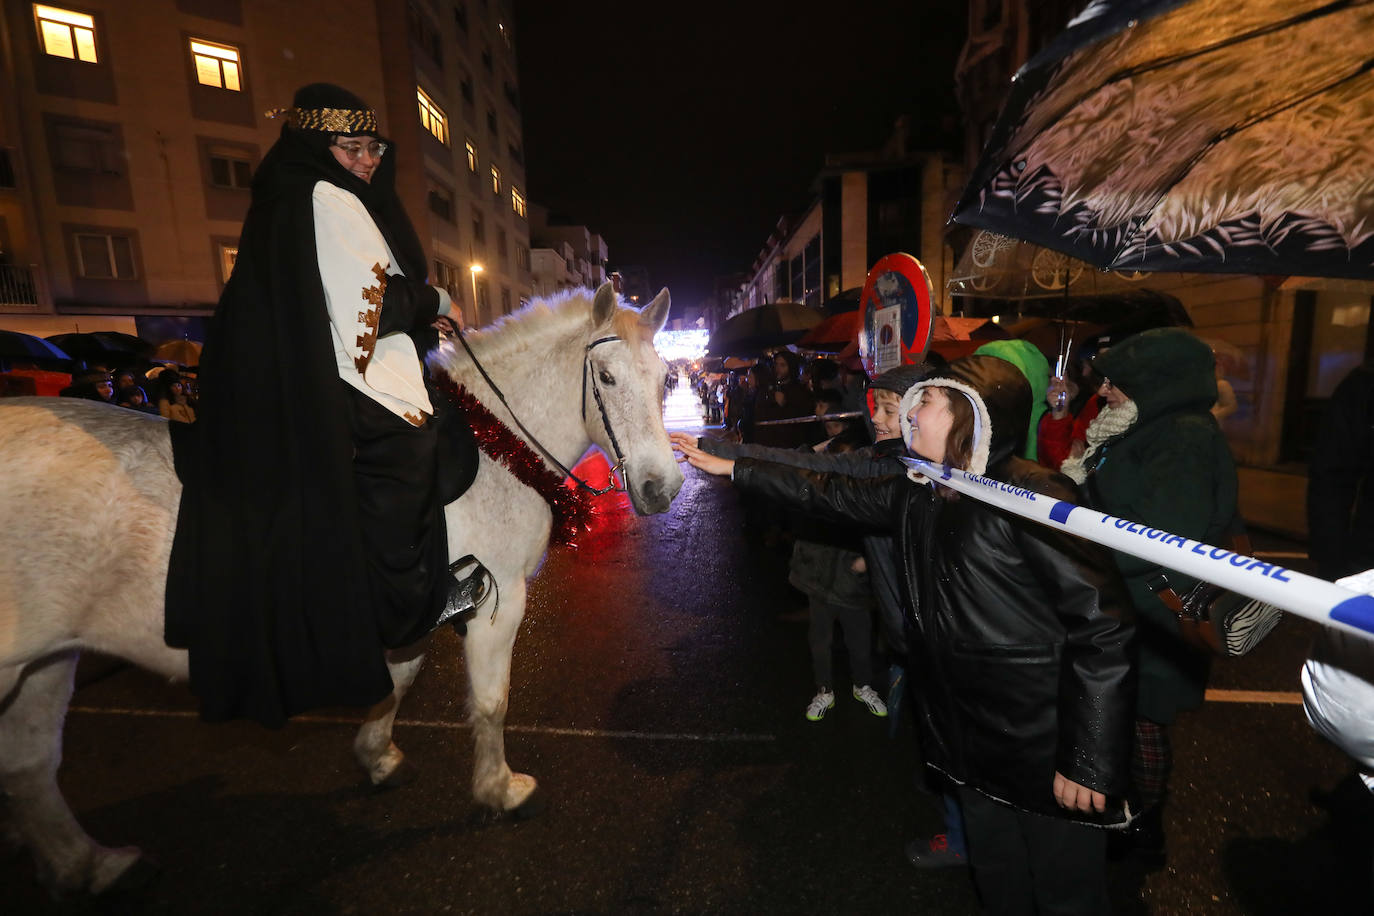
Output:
(607, 378)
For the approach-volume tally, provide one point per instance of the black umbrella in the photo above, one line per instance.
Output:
(16, 346)
(1192, 136)
(109, 347)
(844, 301)
(754, 330)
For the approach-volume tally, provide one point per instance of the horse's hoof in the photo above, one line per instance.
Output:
(403, 774)
(519, 794)
(531, 807)
(136, 878)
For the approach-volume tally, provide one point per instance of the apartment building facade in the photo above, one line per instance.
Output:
(129, 133)
(866, 205)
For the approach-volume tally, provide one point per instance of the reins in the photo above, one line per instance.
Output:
(619, 466)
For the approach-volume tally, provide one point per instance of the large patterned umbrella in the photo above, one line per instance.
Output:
(1192, 135)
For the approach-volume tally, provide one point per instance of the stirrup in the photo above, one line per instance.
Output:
(466, 593)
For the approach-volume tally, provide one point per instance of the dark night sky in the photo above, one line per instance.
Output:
(682, 131)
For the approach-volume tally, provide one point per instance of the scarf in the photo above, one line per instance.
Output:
(1110, 423)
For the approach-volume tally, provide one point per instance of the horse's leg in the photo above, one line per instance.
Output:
(488, 648)
(373, 748)
(31, 723)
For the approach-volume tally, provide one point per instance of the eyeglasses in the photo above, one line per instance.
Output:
(375, 149)
(1106, 383)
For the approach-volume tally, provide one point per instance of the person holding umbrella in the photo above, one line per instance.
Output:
(1157, 457)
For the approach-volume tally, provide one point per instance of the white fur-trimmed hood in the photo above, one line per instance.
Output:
(982, 430)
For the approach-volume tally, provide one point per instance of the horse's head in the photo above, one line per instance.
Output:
(623, 398)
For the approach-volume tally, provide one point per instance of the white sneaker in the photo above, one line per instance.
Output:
(869, 697)
(820, 704)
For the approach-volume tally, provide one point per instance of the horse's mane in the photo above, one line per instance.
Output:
(527, 332)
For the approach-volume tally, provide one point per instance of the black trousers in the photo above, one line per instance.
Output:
(395, 472)
(1031, 863)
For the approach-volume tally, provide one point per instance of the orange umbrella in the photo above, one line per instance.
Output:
(834, 333)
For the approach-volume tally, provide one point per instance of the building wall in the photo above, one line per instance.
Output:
(853, 242)
(163, 127)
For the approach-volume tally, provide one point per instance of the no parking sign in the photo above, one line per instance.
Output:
(898, 314)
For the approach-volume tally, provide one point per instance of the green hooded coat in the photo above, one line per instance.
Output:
(1027, 357)
(1171, 470)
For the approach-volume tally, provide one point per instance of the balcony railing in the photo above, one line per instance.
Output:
(17, 285)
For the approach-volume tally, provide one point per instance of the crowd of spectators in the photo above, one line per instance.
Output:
(158, 390)
(1046, 672)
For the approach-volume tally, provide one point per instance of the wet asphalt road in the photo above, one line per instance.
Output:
(658, 690)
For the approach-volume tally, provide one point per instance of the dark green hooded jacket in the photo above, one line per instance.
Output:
(1171, 470)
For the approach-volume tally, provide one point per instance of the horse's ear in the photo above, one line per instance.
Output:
(603, 305)
(655, 315)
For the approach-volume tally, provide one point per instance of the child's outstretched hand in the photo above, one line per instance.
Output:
(719, 467)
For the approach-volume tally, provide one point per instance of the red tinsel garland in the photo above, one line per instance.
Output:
(572, 509)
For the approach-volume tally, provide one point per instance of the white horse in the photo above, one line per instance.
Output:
(73, 472)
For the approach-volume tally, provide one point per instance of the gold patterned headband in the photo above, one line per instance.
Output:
(330, 120)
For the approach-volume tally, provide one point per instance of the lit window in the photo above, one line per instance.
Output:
(104, 257)
(432, 117)
(66, 33)
(216, 65)
(495, 181)
(517, 201)
(472, 157)
(228, 257)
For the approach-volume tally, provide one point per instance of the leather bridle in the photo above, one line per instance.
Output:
(618, 468)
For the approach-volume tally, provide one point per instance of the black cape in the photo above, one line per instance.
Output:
(267, 586)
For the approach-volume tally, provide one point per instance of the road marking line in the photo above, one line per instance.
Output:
(717, 737)
(1285, 697)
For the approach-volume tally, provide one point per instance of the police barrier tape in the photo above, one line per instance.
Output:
(1307, 596)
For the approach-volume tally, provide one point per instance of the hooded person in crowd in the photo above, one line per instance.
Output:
(1157, 457)
(1020, 639)
(311, 531)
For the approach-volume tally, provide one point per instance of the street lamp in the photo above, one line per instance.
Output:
(474, 270)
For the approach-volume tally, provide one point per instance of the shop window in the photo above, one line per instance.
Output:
(217, 65)
(66, 33)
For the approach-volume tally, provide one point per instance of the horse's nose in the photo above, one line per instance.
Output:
(652, 490)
